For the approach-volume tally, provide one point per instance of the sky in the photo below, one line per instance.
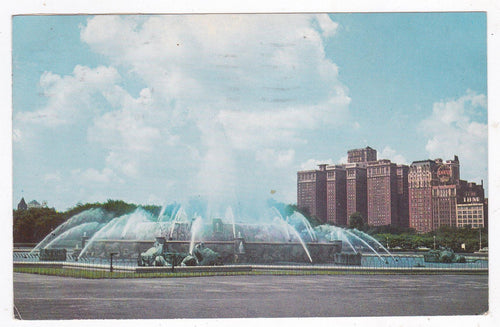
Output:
(155, 109)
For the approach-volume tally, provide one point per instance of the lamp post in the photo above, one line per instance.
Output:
(111, 261)
(480, 238)
(387, 242)
(434, 241)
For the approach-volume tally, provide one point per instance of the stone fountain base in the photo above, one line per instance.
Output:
(237, 251)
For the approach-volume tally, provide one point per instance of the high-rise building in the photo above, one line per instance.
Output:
(421, 177)
(472, 209)
(336, 195)
(311, 192)
(424, 196)
(382, 193)
(434, 190)
(361, 155)
(356, 189)
(445, 193)
(403, 196)
(444, 205)
(471, 214)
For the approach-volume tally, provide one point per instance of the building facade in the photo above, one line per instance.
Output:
(311, 192)
(421, 177)
(361, 155)
(382, 193)
(471, 215)
(336, 195)
(424, 196)
(472, 209)
(356, 189)
(402, 195)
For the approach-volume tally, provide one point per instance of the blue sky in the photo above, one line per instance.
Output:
(157, 109)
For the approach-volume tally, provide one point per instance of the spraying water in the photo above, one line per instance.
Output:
(366, 243)
(346, 239)
(295, 233)
(230, 216)
(376, 242)
(195, 228)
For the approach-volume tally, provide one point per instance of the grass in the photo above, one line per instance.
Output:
(105, 274)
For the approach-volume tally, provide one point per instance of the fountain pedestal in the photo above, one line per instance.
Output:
(239, 250)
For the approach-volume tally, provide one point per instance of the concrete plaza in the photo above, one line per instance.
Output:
(48, 297)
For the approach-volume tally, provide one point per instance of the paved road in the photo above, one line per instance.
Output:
(47, 297)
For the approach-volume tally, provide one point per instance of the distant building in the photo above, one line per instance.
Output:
(471, 215)
(356, 189)
(311, 192)
(444, 205)
(382, 193)
(34, 204)
(424, 196)
(403, 210)
(472, 208)
(421, 177)
(336, 199)
(361, 155)
(22, 205)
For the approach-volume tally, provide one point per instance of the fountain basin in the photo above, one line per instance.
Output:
(254, 252)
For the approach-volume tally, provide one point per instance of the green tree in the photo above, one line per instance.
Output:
(356, 220)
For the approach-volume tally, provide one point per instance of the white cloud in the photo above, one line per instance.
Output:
(70, 97)
(52, 177)
(328, 27)
(275, 158)
(93, 176)
(248, 70)
(391, 154)
(221, 95)
(455, 127)
(313, 163)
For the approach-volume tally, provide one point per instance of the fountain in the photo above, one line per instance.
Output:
(271, 236)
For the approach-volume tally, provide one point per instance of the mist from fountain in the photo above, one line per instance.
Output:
(376, 242)
(230, 216)
(195, 229)
(344, 238)
(72, 236)
(368, 245)
(196, 222)
(87, 216)
(287, 226)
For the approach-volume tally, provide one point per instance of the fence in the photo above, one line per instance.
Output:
(88, 267)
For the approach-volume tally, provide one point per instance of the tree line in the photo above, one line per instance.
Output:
(33, 224)
(463, 239)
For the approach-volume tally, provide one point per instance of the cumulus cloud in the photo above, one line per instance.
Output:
(218, 94)
(275, 158)
(71, 97)
(391, 154)
(458, 127)
(313, 163)
(271, 66)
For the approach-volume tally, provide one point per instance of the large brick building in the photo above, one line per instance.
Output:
(382, 193)
(361, 155)
(311, 192)
(424, 196)
(356, 189)
(421, 177)
(472, 208)
(336, 196)
(439, 198)
(402, 195)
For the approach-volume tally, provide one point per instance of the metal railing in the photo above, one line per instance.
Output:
(119, 267)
